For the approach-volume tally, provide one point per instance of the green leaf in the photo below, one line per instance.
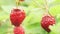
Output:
(55, 10)
(7, 2)
(55, 29)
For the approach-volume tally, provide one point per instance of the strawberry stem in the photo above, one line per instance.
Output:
(17, 3)
(46, 7)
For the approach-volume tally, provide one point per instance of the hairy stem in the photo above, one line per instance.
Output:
(46, 7)
(17, 3)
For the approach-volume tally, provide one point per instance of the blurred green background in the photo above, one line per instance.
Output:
(34, 11)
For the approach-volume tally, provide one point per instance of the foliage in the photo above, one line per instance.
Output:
(34, 11)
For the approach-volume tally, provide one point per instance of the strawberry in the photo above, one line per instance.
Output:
(47, 21)
(19, 30)
(17, 16)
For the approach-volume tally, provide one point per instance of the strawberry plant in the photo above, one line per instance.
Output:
(33, 11)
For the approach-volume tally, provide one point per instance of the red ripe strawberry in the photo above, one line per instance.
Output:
(47, 21)
(17, 16)
(19, 30)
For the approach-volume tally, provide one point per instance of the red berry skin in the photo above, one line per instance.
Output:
(17, 16)
(19, 30)
(47, 21)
